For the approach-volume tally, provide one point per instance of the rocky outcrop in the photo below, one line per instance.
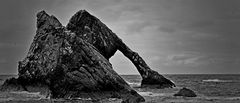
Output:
(186, 93)
(61, 64)
(92, 30)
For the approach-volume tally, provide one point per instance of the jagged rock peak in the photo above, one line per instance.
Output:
(92, 30)
(82, 12)
(44, 18)
(84, 20)
(41, 13)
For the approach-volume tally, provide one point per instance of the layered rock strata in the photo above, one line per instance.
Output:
(61, 64)
(92, 30)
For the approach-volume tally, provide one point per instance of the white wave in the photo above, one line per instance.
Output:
(26, 92)
(223, 98)
(216, 80)
(134, 84)
(85, 99)
(151, 94)
(233, 98)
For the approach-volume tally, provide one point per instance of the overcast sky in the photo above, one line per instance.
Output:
(172, 36)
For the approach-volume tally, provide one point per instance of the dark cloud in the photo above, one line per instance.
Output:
(2, 61)
(137, 27)
(167, 29)
(177, 36)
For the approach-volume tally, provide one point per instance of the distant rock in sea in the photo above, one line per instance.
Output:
(186, 93)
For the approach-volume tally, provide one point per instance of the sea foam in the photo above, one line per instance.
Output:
(216, 80)
(134, 84)
(151, 94)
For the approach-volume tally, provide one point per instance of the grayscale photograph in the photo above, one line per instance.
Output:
(120, 51)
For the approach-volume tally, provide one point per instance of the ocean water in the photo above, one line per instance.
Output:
(224, 85)
(210, 88)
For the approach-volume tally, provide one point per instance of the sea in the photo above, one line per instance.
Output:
(209, 88)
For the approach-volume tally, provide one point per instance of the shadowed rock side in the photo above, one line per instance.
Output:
(62, 65)
(92, 30)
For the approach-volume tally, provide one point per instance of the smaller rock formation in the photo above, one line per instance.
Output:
(185, 93)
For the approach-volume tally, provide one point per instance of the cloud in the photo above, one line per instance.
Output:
(189, 59)
(201, 60)
(167, 29)
(182, 34)
(3, 60)
(137, 27)
(10, 45)
(182, 59)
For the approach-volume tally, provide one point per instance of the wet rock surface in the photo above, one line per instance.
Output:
(60, 64)
(92, 30)
(73, 62)
(185, 92)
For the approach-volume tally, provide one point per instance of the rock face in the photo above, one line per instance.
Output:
(186, 93)
(61, 64)
(92, 30)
